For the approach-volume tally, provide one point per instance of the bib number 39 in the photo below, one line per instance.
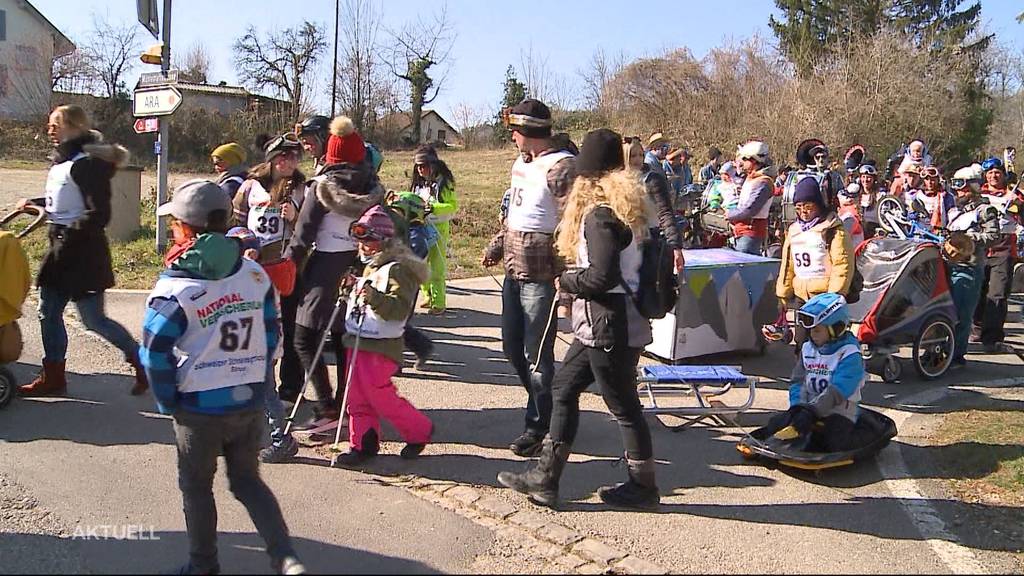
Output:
(268, 225)
(236, 336)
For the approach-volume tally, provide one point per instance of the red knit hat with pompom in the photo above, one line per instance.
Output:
(344, 143)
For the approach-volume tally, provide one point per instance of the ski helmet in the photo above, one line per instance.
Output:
(315, 126)
(412, 207)
(826, 309)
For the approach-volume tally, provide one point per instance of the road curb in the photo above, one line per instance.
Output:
(566, 549)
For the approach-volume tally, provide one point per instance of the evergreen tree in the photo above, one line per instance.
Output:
(514, 93)
(811, 29)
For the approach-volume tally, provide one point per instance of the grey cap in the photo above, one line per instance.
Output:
(193, 202)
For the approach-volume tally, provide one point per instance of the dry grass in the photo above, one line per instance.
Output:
(989, 441)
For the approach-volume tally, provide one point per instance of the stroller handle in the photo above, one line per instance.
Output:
(38, 214)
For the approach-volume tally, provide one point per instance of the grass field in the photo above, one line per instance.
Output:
(481, 178)
(988, 441)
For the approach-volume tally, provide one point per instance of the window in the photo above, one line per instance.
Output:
(3, 25)
(441, 136)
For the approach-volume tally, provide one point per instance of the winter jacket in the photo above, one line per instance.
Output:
(839, 265)
(602, 318)
(983, 227)
(231, 179)
(290, 190)
(660, 196)
(211, 257)
(1002, 199)
(443, 203)
(78, 261)
(326, 195)
(843, 391)
(747, 218)
(397, 302)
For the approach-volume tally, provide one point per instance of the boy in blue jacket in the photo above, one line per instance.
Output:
(210, 333)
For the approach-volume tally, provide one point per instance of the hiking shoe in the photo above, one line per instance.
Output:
(527, 445)
(354, 458)
(277, 453)
(412, 451)
(631, 495)
(289, 565)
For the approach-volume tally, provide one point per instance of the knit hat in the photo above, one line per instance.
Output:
(425, 155)
(344, 144)
(531, 118)
(754, 150)
(231, 153)
(601, 152)
(374, 224)
(807, 190)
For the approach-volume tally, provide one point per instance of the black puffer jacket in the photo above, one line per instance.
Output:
(601, 318)
(78, 262)
(660, 194)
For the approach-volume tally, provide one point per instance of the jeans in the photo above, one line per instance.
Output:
(292, 373)
(526, 310)
(749, 244)
(966, 291)
(614, 371)
(991, 312)
(274, 407)
(201, 439)
(52, 303)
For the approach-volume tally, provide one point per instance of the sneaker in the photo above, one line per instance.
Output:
(289, 565)
(957, 364)
(995, 348)
(412, 451)
(436, 311)
(276, 454)
(527, 445)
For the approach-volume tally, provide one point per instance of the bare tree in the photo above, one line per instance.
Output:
(111, 51)
(418, 47)
(473, 123)
(73, 72)
(195, 64)
(361, 79)
(599, 72)
(282, 61)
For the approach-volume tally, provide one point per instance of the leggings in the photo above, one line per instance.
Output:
(306, 342)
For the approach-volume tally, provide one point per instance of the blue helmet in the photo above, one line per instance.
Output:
(824, 310)
(992, 163)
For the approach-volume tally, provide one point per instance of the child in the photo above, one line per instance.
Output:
(816, 255)
(827, 381)
(408, 212)
(849, 213)
(282, 446)
(434, 182)
(379, 305)
(210, 330)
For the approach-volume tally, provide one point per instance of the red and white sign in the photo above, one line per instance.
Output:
(147, 125)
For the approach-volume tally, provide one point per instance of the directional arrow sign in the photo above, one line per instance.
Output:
(156, 102)
(147, 125)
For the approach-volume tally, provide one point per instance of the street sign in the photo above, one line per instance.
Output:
(156, 101)
(155, 79)
(149, 17)
(147, 125)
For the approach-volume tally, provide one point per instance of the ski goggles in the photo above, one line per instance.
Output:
(868, 169)
(510, 120)
(806, 320)
(361, 231)
(930, 172)
(992, 164)
(285, 143)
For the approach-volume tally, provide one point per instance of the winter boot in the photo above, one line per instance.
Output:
(639, 492)
(370, 448)
(50, 382)
(141, 381)
(541, 482)
(278, 453)
(528, 444)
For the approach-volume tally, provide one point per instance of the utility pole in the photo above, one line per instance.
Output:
(334, 70)
(163, 140)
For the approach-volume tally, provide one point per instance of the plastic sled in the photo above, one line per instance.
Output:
(762, 445)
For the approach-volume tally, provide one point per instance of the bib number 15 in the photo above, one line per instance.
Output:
(236, 336)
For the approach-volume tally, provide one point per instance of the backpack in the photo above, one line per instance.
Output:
(857, 282)
(374, 155)
(659, 288)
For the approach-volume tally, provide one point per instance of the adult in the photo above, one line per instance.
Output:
(990, 316)
(659, 200)
(314, 132)
(542, 176)
(433, 181)
(605, 220)
(870, 192)
(708, 171)
(657, 149)
(677, 169)
(229, 163)
(77, 266)
(324, 250)
(750, 217)
(268, 204)
(909, 180)
(933, 197)
(974, 219)
(849, 213)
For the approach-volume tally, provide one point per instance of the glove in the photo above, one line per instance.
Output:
(802, 418)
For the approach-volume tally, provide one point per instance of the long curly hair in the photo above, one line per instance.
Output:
(620, 190)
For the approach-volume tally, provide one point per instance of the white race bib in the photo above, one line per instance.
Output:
(808, 252)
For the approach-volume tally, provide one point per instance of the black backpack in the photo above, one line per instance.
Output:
(659, 287)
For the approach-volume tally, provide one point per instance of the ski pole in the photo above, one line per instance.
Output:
(316, 360)
(348, 386)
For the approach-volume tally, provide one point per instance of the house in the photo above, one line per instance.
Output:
(28, 45)
(226, 100)
(433, 128)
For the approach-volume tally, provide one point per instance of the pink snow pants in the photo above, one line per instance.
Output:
(372, 396)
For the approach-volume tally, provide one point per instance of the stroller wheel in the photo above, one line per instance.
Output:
(892, 370)
(7, 386)
(933, 348)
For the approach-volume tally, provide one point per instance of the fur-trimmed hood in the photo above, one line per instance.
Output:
(333, 192)
(397, 251)
(92, 144)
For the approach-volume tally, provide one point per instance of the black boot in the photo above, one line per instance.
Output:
(370, 448)
(540, 483)
(639, 492)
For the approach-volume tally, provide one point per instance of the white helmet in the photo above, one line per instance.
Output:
(968, 176)
(755, 150)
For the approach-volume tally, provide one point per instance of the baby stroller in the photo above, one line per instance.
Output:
(15, 281)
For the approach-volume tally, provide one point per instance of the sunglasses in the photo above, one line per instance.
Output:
(361, 231)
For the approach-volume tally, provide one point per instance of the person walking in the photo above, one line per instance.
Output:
(605, 221)
(77, 266)
(542, 176)
(211, 328)
(229, 163)
(434, 182)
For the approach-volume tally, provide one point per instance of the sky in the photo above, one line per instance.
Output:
(489, 35)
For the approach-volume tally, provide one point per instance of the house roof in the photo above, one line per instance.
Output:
(403, 121)
(224, 90)
(62, 45)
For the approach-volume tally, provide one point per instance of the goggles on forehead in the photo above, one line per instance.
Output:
(286, 142)
(511, 120)
(361, 231)
(868, 169)
(931, 172)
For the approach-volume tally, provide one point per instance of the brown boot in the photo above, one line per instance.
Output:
(141, 382)
(50, 382)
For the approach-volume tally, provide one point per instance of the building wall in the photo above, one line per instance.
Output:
(224, 105)
(429, 127)
(26, 53)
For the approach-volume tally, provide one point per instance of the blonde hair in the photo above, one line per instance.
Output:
(74, 117)
(619, 190)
